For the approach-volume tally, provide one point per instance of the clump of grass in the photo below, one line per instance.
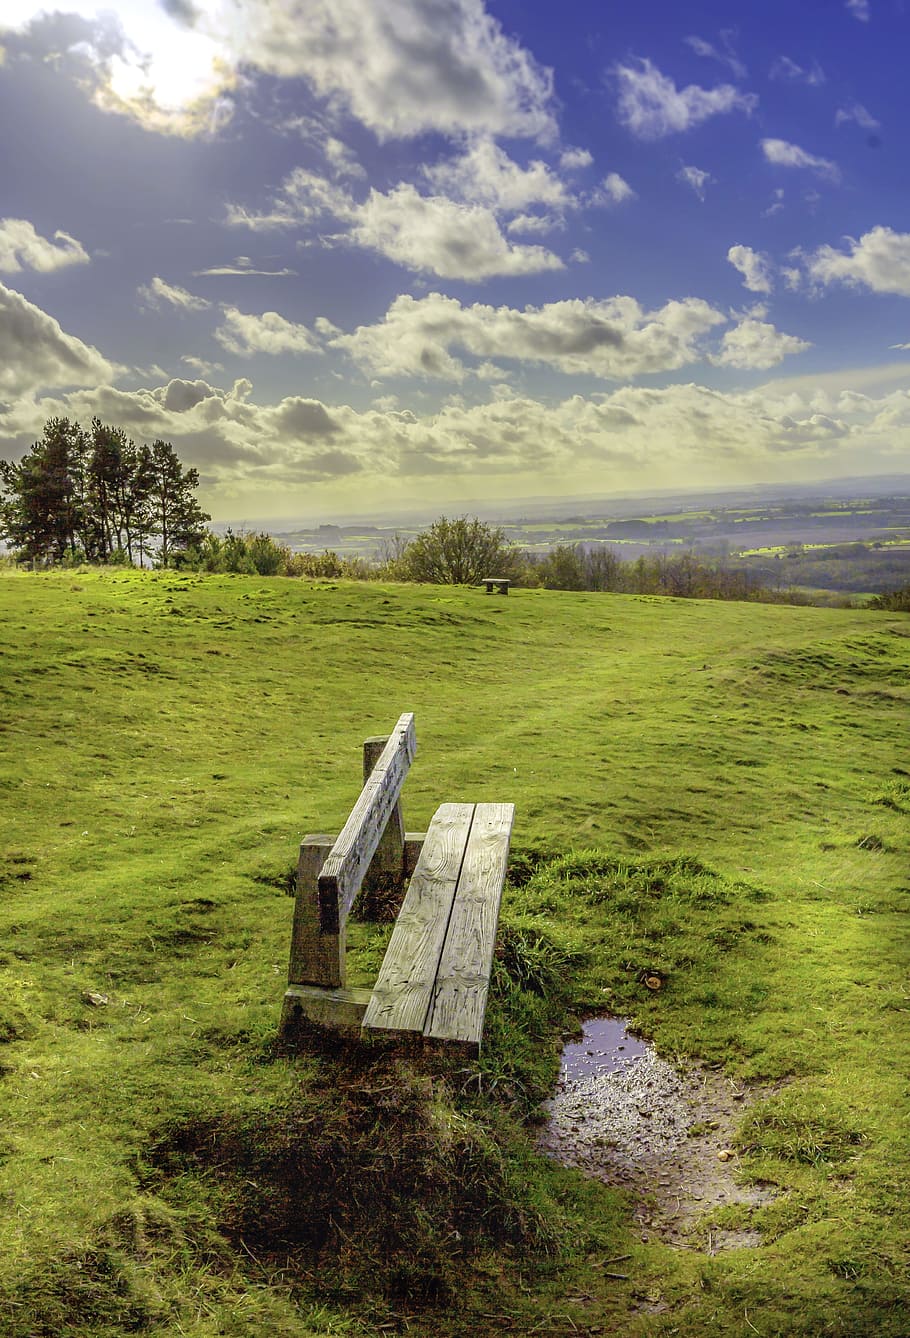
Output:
(895, 796)
(800, 1126)
(527, 958)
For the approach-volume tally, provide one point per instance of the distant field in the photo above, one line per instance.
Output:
(801, 537)
(170, 738)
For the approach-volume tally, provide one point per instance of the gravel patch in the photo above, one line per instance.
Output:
(662, 1133)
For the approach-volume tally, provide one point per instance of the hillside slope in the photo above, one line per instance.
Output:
(168, 739)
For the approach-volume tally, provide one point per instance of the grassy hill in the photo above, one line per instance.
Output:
(715, 792)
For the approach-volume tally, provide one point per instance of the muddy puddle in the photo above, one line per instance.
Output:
(622, 1114)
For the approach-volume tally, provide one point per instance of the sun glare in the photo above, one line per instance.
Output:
(165, 72)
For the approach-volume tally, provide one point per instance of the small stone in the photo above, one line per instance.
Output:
(96, 1000)
(725, 1154)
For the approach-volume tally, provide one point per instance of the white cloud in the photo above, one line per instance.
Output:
(245, 334)
(260, 459)
(651, 106)
(858, 113)
(486, 175)
(341, 159)
(200, 365)
(35, 353)
(21, 247)
(756, 344)
(616, 189)
(753, 266)
(880, 261)
(536, 224)
(157, 292)
(436, 235)
(428, 234)
(613, 338)
(570, 160)
(784, 154)
(727, 56)
(402, 68)
(859, 9)
(695, 178)
(240, 266)
(788, 71)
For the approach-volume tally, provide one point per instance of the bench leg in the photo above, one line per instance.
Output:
(316, 959)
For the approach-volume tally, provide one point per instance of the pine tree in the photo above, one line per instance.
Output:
(43, 496)
(173, 513)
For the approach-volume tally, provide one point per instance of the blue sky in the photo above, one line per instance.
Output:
(358, 256)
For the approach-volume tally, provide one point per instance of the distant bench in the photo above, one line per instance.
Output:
(434, 979)
(499, 584)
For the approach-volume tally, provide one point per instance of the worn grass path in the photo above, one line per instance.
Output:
(167, 739)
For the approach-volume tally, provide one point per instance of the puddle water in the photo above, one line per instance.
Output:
(605, 1046)
(666, 1134)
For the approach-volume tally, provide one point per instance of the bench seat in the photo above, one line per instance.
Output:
(435, 976)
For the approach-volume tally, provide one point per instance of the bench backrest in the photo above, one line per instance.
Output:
(343, 871)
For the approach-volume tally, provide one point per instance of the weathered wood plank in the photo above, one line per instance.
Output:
(404, 988)
(341, 1009)
(463, 980)
(316, 958)
(345, 867)
(385, 874)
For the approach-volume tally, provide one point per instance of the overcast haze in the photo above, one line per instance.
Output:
(357, 255)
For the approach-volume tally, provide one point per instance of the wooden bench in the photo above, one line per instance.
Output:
(434, 979)
(499, 584)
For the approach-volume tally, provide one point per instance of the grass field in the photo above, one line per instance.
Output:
(717, 792)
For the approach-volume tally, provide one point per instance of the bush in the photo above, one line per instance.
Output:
(896, 601)
(459, 552)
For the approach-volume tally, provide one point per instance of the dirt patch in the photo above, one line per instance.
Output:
(663, 1134)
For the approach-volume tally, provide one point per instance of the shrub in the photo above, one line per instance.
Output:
(459, 552)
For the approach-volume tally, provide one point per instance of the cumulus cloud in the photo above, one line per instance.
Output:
(695, 178)
(859, 9)
(788, 71)
(258, 458)
(436, 235)
(158, 292)
(756, 344)
(880, 261)
(570, 160)
(615, 189)
(403, 68)
(21, 247)
(425, 233)
(485, 174)
(651, 106)
(36, 353)
(782, 153)
(242, 333)
(612, 339)
(753, 266)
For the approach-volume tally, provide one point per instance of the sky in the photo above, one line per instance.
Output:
(359, 257)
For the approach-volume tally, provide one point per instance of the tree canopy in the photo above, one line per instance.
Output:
(96, 496)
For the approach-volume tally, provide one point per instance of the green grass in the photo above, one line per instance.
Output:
(710, 793)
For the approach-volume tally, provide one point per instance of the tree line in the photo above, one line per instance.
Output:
(96, 496)
(463, 551)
